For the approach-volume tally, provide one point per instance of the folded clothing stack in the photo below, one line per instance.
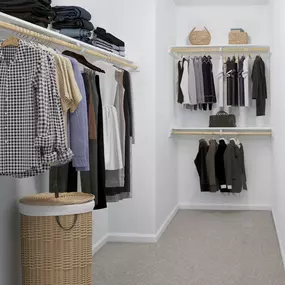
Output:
(108, 42)
(38, 12)
(74, 22)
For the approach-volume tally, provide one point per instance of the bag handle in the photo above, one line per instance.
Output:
(67, 229)
(221, 113)
(204, 28)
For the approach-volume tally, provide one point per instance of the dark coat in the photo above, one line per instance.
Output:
(259, 86)
(232, 82)
(201, 165)
(208, 80)
(241, 92)
(234, 167)
(220, 166)
(211, 169)
(180, 66)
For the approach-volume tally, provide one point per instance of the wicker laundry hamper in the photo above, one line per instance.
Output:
(56, 239)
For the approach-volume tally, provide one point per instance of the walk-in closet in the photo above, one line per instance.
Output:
(142, 142)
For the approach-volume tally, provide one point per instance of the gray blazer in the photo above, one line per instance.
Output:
(234, 167)
(211, 170)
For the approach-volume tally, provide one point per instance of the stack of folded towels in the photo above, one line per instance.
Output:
(74, 22)
(108, 42)
(38, 12)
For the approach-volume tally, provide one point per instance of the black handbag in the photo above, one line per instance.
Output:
(222, 120)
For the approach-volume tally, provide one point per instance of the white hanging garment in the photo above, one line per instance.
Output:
(192, 83)
(246, 75)
(220, 76)
(112, 142)
(184, 83)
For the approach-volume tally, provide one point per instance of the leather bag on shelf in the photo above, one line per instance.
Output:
(222, 120)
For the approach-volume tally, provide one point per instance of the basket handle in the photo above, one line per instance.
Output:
(67, 229)
(207, 30)
(193, 30)
(221, 113)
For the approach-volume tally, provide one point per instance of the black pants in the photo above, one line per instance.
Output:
(63, 179)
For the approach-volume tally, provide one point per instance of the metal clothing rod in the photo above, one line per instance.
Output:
(223, 133)
(220, 49)
(97, 53)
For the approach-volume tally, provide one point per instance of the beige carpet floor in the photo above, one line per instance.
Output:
(198, 248)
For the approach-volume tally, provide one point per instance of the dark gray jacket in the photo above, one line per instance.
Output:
(234, 167)
(211, 169)
(200, 162)
(259, 85)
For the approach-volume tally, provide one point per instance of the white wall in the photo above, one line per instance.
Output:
(136, 215)
(258, 151)
(278, 103)
(220, 19)
(166, 171)
(11, 191)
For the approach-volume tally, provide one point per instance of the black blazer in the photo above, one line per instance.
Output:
(201, 165)
(220, 166)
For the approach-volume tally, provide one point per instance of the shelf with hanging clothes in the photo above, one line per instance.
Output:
(22, 29)
(247, 131)
(178, 51)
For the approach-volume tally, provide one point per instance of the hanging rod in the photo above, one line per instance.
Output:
(219, 49)
(245, 131)
(223, 133)
(54, 38)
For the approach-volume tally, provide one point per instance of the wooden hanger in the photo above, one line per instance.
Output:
(11, 41)
(81, 59)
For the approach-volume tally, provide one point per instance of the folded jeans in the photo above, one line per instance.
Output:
(110, 39)
(77, 23)
(75, 32)
(112, 46)
(64, 13)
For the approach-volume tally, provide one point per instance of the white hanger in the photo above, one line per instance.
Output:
(223, 139)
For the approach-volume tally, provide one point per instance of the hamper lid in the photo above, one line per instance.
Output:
(49, 199)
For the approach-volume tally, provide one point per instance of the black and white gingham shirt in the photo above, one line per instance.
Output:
(31, 123)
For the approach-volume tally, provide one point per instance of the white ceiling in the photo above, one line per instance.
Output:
(221, 2)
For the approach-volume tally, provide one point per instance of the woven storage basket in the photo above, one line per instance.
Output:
(200, 37)
(238, 38)
(56, 239)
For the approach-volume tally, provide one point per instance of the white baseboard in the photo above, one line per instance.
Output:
(132, 238)
(97, 246)
(144, 238)
(225, 207)
(166, 222)
(277, 227)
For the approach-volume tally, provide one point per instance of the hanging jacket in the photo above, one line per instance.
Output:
(220, 166)
(199, 81)
(180, 97)
(235, 169)
(232, 82)
(201, 166)
(184, 82)
(208, 80)
(241, 90)
(243, 175)
(211, 169)
(259, 86)
(192, 83)
(247, 82)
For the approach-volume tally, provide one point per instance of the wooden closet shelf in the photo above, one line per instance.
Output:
(28, 30)
(175, 51)
(223, 131)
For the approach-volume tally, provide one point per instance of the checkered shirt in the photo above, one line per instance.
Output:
(31, 122)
